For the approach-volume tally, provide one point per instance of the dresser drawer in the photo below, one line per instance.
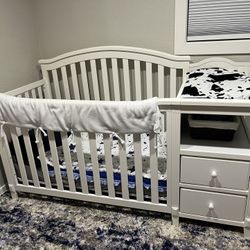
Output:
(213, 205)
(214, 172)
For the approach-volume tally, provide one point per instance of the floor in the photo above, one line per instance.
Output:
(46, 223)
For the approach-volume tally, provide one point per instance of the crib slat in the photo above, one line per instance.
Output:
(126, 79)
(33, 93)
(138, 80)
(47, 86)
(95, 165)
(40, 92)
(30, 155)
(109, 165)
(172, 83)
(75, 81)
(84, 80)
(105, 80)
(42, 158)
(81, 162)
(184, 74)
(160, 81)
(95, 79)
(138, 167)
(26, 94)
(124, 170)
(65, 82)
(115, 79)
(53, 149)
(149, 80)
(56, 84)
(18, 151)
(153, 169)
(68, 161)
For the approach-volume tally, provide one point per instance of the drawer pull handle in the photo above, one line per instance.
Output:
(214, 174)
(211, 205)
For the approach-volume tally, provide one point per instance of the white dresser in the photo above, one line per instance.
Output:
(214, 183)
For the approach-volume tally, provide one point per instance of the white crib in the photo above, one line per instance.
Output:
(124, 74)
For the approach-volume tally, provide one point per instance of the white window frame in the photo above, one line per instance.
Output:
(183, 47)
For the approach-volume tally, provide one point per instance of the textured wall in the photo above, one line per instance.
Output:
(34, 29)
(66, 25)
(18, 44)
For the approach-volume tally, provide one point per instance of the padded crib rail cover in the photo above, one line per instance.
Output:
(78, 115)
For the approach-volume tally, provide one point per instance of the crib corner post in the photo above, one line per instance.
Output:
(247, 216)
(13, 192)
(247, 228)
(175, 216)
(174, 152)
(8, 167)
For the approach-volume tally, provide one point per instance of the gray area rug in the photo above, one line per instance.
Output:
(33, 223)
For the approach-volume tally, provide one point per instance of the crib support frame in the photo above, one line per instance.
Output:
(16, 187)
(8, 167)
(123, 73)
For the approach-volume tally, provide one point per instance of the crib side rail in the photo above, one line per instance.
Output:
(36, 89)
(28, 169)
(115, 73)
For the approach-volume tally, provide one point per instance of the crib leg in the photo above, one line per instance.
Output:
(175, 220)
(8, 167)
(247, 232)
(13, 192)
(175, 216)
(14, 195)
(247, 228)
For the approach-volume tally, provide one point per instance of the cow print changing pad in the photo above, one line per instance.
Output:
(217, 83)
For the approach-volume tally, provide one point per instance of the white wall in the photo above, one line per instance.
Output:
(18, 47)
(34, 29)
(18, 44)
(66, 25)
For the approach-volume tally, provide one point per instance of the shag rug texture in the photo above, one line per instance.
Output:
(46, 223)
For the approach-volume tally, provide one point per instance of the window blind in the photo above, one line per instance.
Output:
(218, 20)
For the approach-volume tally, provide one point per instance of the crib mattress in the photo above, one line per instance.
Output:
(216, 83)
(161, 151)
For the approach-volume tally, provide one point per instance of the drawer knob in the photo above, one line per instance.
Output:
(211, 205)
(214, 173)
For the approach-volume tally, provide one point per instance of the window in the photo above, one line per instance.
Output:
(212, 27)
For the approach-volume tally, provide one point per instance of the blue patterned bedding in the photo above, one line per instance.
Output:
(162, 183)
(161, 152)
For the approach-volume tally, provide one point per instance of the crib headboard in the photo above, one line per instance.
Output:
(114, 73)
